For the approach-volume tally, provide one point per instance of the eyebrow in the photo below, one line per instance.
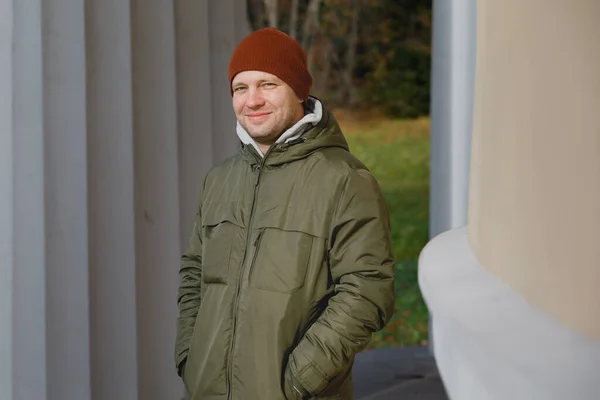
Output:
(260, 81)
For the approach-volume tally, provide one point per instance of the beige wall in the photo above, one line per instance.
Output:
(534, 213)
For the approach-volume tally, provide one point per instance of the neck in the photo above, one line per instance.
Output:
(264, 147)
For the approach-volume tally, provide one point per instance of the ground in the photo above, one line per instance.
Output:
(407, 373)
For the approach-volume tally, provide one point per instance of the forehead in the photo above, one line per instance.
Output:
(247, 77)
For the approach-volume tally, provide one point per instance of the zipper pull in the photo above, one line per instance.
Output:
(257, 175)
(301, 139)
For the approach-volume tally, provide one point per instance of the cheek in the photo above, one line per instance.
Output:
(238, 104)
(279, 103)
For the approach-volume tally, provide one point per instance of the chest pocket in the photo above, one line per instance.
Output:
(280, 260)
(219, 230)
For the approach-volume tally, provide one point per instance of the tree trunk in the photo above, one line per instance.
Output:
(272, 13)
(350, 95)
(323, 81)
(294, 19)
(310, 23)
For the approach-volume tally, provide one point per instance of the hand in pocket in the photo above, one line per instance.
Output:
(291, 393)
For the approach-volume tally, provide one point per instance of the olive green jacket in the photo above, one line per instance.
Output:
(288, 272)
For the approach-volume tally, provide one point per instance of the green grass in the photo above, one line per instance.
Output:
(397, 153)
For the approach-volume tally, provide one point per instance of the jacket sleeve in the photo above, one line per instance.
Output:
(362, 268)
(188, 299)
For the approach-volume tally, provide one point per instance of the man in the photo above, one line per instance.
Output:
(289, 267)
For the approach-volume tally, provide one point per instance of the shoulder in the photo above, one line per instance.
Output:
(226, 168)
(225, 177)
(349, 168)
(357, 186)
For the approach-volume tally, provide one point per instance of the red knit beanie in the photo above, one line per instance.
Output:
(272, 51)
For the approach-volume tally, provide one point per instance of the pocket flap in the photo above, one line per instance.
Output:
(295, 219)
(215, 213)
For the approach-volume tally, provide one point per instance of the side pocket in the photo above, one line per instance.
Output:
(216, 252)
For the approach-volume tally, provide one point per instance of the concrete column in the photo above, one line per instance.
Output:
(206, 124)
(195, 109)
(224, 36)
(453, 77)
(530, 256)
(156, 196)
(6, 200)
(65, 163)
(114, 367)
(535, 198)
(452, 87)
(29, 284)
(90, 186)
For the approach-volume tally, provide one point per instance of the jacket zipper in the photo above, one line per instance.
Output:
(239, 282)
(256, 245)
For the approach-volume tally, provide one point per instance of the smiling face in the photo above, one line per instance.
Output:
(265, 106)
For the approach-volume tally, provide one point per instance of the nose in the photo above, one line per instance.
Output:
(255, 98)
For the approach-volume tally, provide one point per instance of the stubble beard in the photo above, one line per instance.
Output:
(269, 132)
(262, 134)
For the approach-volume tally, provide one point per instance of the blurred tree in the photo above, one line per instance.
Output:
(394, 68)
(362, 53)
(272, 13)
(256, 13)
(293, 31)
(311, 23)
(349, 90)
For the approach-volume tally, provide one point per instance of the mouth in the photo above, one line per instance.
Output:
(258, 116)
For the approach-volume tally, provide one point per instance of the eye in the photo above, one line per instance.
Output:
(269, 85)
(239, 88)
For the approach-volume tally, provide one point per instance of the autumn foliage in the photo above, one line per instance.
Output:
(362, 53)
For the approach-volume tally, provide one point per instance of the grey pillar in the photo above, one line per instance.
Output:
(223, 39)
(29, 285)
(206, 122)
(65, 164)
(6, 201)
(452, 91)
(156, 196)
(453, 79)
(90, 189)
(195, 109)
(113, 333)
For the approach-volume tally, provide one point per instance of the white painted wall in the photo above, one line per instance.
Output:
(493, 344)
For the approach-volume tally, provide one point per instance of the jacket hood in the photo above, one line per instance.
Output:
(300, 141)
